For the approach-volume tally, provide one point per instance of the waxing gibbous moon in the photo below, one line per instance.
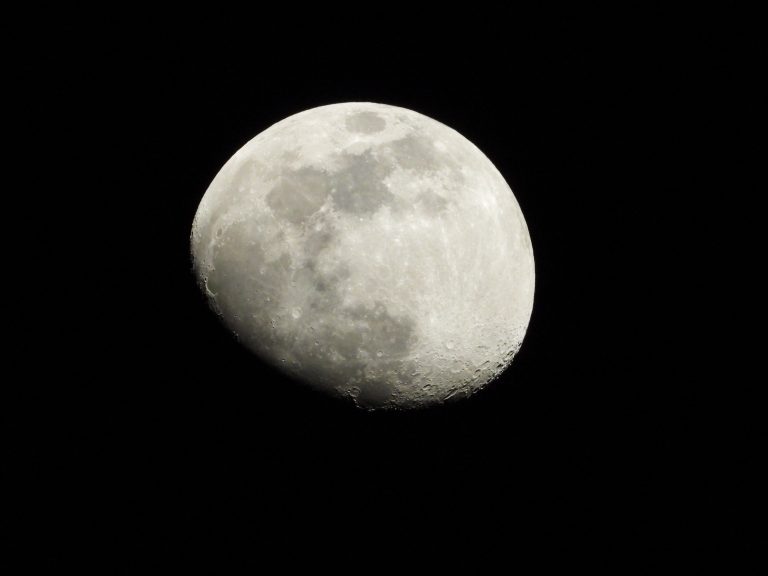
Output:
(370, 252)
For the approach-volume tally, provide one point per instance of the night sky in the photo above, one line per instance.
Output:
(142, 439)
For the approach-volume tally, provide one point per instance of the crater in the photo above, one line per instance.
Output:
(365, 123)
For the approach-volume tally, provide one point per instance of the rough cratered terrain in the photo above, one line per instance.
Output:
(369, 251)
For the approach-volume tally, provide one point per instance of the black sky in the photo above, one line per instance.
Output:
(142, 439)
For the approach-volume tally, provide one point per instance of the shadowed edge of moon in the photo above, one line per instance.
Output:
(330, 346)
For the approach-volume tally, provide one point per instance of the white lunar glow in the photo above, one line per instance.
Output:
(370, 252)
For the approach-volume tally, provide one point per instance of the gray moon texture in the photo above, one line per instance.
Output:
(370, 252)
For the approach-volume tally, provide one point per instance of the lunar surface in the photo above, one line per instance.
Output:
(370, 252)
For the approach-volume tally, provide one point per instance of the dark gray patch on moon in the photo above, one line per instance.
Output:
(373, 394)
(326, 283)
(358, 187)
(359, 348)
(291, 155)
(360, 336)
(416, 153)
(432, 203)
(365, 123)
(384, 335)
(299, 194)
(318, 240)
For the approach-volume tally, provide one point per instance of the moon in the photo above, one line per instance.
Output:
(370, 252)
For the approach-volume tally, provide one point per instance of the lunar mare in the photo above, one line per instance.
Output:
(370, 252)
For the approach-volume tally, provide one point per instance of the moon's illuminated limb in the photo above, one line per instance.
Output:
(369, 251)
